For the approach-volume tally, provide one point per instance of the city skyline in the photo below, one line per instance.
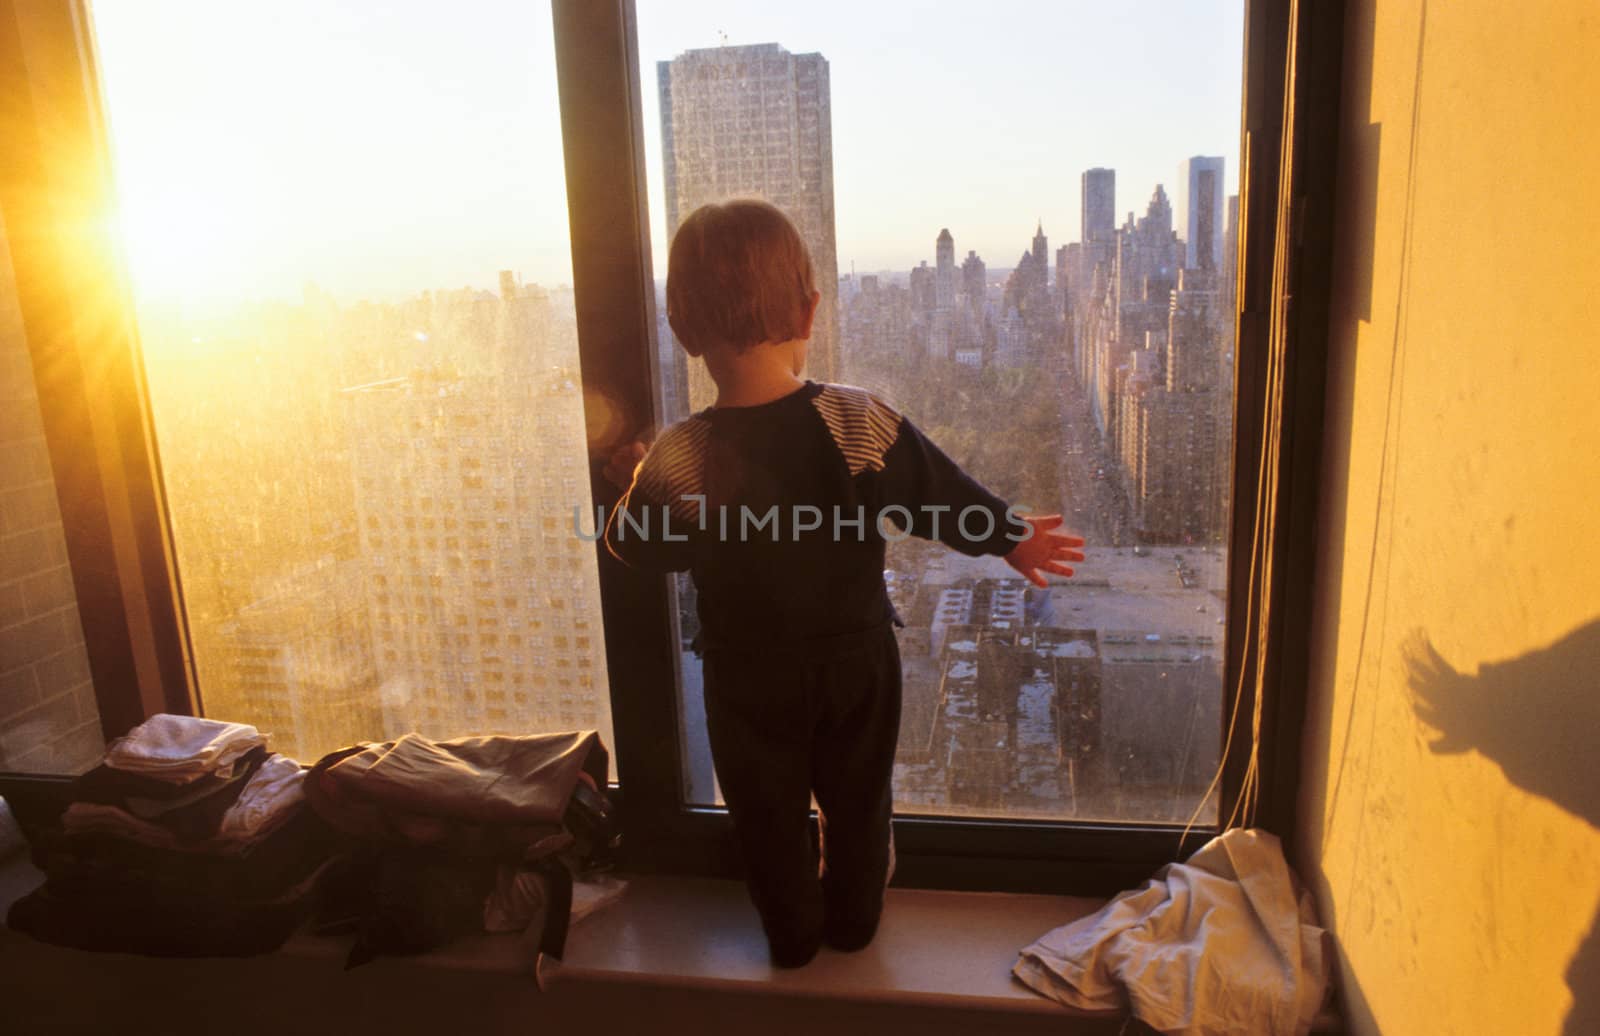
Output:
(372, 182)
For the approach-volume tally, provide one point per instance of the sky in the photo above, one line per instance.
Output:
(378, 150)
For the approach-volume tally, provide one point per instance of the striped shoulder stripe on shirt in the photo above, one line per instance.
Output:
(862, 425)
(675, 467)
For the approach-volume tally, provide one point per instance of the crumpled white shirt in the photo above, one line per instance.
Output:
(1226, 942)
(182, 748)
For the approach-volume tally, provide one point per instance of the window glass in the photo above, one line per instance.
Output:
(346, 225)
(49, 720)
(1022, 224)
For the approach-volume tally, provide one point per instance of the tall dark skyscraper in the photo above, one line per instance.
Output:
(1198, 214)
(755, 121)
(1099, 204)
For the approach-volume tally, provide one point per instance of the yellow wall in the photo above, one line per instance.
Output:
(1458, 512)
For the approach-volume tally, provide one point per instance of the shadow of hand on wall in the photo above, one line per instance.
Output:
(1538, 718)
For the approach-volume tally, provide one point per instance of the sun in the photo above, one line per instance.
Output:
(176, 247)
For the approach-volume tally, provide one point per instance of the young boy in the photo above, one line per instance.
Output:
(778, 500)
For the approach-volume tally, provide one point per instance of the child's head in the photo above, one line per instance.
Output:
(738, 275)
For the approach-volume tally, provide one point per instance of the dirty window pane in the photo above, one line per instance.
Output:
(347, 229)
(1022, 227)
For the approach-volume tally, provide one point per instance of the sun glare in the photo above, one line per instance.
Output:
(171, 243)
(375, 152)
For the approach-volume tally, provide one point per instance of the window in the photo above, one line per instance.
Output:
(263, 521)
(1093, 379)
(292, 319)
(1256, 661)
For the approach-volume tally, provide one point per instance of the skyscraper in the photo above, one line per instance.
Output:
(755, 120)
(1191, 364)
(924, 289)
(1230, 254)
(945, 273)
(469, 479)
(1198, 214)
(974, 277)
(1041, 257)
(1099, 217)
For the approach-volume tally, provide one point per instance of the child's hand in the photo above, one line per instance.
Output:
(623, 463)
(1045, 550)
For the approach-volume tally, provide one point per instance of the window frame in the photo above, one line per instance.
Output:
(55, 182)
(1288, 136)
(92, 392)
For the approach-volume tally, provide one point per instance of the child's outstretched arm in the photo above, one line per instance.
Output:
(928, 495)
(919, 476)
(917, 487)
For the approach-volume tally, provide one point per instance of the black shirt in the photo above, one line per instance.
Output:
(780, 511)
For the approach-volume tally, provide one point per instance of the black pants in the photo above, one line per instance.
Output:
(789, 722)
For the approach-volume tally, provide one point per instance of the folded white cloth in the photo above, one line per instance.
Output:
(181, 748)
(267, 800)
(275, 787)
(1224, 943)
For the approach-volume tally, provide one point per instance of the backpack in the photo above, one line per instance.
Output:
(439, 830)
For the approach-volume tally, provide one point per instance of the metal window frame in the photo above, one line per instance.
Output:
(1293, 65)
(107, 465)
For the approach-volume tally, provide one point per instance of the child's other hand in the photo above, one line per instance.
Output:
(623, 463)
(1045, 550)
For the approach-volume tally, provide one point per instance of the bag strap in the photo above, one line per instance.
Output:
(558, 906)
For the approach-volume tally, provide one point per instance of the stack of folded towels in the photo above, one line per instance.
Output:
(190, 838)
(178, 781)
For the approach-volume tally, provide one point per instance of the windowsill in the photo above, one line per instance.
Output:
(684, 946)
(942, 949)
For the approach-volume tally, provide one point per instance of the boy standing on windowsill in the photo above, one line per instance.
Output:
(778, 500)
